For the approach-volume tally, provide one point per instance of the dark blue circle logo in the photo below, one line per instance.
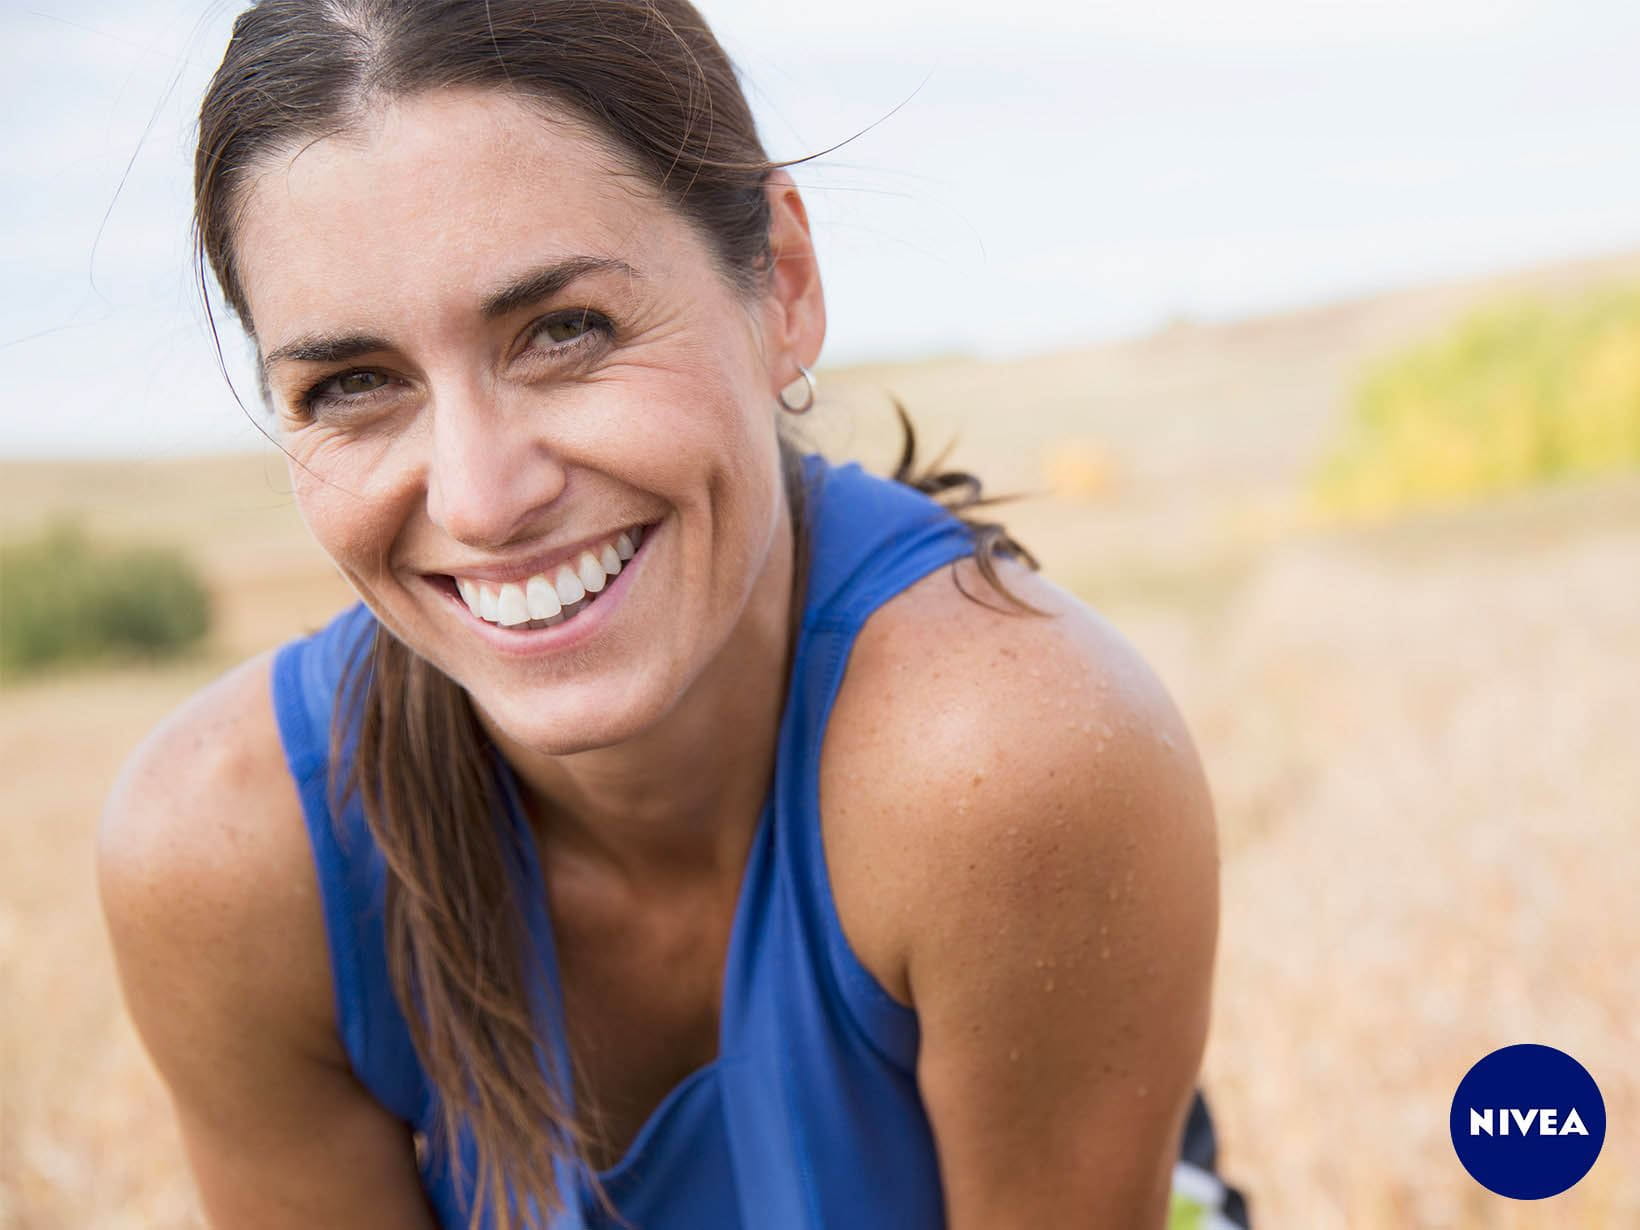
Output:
(1528, 1121)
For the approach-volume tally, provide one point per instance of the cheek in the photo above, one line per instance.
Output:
(349, 500)
(682, 423)
(737, 447)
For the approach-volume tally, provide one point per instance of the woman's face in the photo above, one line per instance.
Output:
(489, 346)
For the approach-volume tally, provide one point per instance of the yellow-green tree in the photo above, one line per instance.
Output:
(1515, 394)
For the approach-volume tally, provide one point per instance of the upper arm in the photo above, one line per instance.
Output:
(211, 901)
(1056, 866)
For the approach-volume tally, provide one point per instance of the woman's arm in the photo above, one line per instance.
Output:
(1055, 882)
(211, 900)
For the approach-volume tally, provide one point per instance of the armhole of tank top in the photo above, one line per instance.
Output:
(890, 1026)
(307, 755)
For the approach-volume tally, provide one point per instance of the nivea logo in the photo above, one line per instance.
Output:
(1544, 1117)
(1528, 1121)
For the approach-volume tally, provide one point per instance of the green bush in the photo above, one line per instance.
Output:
(65, 600)
(1515, 395)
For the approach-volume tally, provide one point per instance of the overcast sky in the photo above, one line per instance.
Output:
(1071, 172)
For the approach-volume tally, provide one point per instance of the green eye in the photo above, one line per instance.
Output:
(344, 388)
(565, 328)
(572, 330)
(348, 383)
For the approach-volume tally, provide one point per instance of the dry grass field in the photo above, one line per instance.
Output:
(1421, 738)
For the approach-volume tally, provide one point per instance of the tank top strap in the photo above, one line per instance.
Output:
(307, 673)
(872, 538)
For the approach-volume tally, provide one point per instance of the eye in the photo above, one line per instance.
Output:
(350, 386)
(349, 382)
(572, 329)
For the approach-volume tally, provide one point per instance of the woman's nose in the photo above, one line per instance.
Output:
(489, 476)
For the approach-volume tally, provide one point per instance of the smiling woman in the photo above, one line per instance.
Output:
(603, 865)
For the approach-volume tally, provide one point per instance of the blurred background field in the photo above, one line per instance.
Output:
(1406, 644)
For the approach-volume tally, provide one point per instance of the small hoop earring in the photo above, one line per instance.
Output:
(808, 402)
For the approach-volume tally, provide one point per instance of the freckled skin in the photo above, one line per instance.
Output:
(1056, 872)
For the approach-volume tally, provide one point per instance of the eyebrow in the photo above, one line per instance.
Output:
(529, 287)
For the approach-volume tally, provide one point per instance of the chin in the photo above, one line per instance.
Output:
(560, 719)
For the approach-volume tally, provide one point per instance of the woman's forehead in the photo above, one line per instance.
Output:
(432, 199)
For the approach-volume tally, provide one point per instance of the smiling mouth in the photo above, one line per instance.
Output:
(548, 598)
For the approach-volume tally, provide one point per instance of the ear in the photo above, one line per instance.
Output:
(795, 306)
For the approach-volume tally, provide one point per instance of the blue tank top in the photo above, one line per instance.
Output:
(809, 1117)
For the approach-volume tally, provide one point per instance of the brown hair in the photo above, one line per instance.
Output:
(653, 81)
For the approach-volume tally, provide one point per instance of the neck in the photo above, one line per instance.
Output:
(681, 801)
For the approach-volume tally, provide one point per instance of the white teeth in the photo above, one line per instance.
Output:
(543, 598)
(590, 572)
(568, 585)
(510, 606)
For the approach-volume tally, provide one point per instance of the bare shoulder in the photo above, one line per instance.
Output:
(973, 746)
(212, 902)
(207, 884)
(1023, 851)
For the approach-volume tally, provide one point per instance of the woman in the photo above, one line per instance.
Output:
(674, 835)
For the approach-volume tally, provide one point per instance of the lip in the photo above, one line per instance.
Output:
(545, 562)
(539, 642)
